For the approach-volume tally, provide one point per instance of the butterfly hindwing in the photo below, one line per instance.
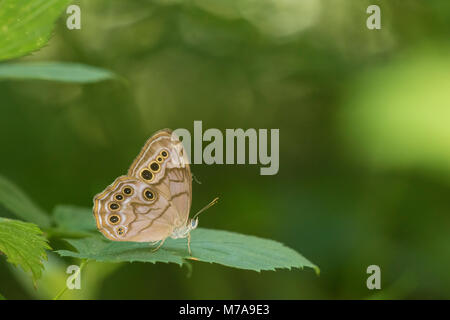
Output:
(141, 214)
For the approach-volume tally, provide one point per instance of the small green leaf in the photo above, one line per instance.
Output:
(57, 71)
(214, 246)
(74, 219)
(23, 245)
(2, 297)
(13, 199)
(26, 25)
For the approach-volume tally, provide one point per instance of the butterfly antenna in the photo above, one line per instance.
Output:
(206, 207)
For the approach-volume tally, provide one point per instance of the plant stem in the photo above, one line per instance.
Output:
(83, 263)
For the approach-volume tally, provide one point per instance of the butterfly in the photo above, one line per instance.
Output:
(152, 202)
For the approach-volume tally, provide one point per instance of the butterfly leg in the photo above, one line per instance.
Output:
(189, 243)
(159, 246)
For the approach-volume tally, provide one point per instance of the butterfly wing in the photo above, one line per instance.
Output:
(153, 199)
(131, 210)
(171, 176)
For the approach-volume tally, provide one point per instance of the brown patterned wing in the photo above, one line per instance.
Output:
(164, 164)
(130, 210)
(155, 197)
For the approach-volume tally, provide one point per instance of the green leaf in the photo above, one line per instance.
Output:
(243, 251)
(74, 219)
(13, 199)
(23, 245)
(214, 246)
(26, 25)
(99, 249)
(57, 71)
(2, 297)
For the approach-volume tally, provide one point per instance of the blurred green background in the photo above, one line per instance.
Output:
(364, 139)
